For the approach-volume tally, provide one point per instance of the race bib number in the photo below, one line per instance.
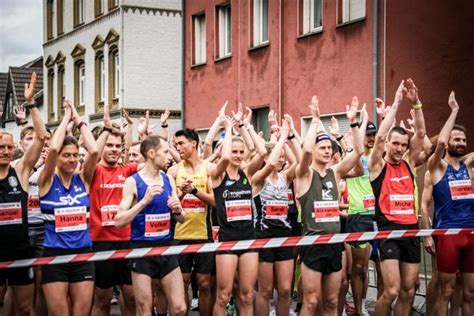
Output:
(276, 210)
(326, 211)
(402, 204)
(157, 225)
(193, 204)
(290, 198)
(107, 214)
(461, 189)
(70, 219)
(369, 202)
(33, 204)
(10, 213)
(238, 210)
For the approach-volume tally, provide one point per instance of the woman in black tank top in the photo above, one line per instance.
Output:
(233, 196)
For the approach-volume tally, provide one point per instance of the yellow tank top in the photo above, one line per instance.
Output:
(197, 223)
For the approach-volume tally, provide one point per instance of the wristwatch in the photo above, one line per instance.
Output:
(194, 191)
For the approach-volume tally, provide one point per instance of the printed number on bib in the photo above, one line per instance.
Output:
(191, 203)
(107, 214)
(70, 219)
(157, 225)
(326, 211)
(402, 204)
(461, 189)
(238, 210)
(290, 197)
(10, 213)
(33, 204)
(369, 202)
(276, 209)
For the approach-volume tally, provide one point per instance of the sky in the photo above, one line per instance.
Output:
(21, 32)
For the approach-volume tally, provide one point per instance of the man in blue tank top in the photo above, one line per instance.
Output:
(151, 205)
(453, 208)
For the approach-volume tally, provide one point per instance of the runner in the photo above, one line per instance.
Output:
(64, 202)
(318, 193)
(106, 194)
(193, 183)
(454, 208)
(392, 182)
(270, 194)
(14, 186)
(151, 205)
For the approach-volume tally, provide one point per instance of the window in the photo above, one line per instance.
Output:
(259, 22)
(224, 31)
(114, 76)
(310, 13)
(9, 114)
(350, 10)
(117, 75)
(59, 14)
(199, 39)
(80, 86)
(260, 121)
(49, 19)
(113, 4)
(51, 94)
(61, 90)
(99, 81)
(102, 79)
(344, 124)
(79, 12)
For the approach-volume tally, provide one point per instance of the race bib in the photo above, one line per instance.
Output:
(276, 210)
(157, 225)
(369, 202)
(10, 213)
(107, 214)
(290, 198)
(70, 219)
(461, 189)
(33, 204)
(238, 210)
(326, 211)
(193, 204)
(402, 204)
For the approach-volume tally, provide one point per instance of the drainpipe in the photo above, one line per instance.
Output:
(183, 43)
(121, 59)
(279, 64)
(375, 82)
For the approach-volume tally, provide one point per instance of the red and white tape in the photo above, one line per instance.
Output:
(233, 245)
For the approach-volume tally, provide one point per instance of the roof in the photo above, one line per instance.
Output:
(20, 76)
(3, 87)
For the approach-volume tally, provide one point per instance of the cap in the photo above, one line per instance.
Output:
(371, 128)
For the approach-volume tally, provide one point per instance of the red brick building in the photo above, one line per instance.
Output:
(277, 53)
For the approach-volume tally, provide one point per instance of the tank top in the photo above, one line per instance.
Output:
(34, 211)
(454, 199)
(234, 208)
(13, 216)
(394, 192)
(272, 207)
(361, 197)
(320, 205)
(153, 223)
(198, 223)
(66, 215)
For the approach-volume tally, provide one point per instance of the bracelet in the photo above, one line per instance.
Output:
(290, 137)
(249, 127)
(81, 124)
(30, 106)
(354, 125)
(240, 125)
(340, 137)
(194, 191)
(417, 106)
(180, 211)
(106, 129)
(164, 125)
(22, 123)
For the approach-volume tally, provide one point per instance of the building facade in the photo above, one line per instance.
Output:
(278, 53)
(124, 53)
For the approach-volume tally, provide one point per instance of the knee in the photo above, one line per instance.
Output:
(330, 303)
(143, 305)
(447, 292)
(359, 269)
(246, 298)
(179, 309)
(391, 293)
(284, 292)
(222, 297)
(204, 286)
(24, 308)
(102, 300)
(310, 302)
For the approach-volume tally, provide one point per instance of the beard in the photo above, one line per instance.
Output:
(456, 151)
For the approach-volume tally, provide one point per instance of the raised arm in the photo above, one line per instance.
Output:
(435, 162)
(309, 140)
(32, 154)
(128, 140)
(164, 124)
(218, 169)
(416, 142)
(239, 122)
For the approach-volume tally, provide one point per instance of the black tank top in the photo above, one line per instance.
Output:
(234, 208)
(13, 217)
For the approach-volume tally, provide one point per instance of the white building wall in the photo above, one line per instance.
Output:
(162, 4)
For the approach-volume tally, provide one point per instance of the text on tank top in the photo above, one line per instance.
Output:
(361, 197)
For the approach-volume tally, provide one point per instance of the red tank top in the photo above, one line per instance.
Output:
(395, 194)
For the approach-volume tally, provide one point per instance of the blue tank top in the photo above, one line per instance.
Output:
(153, 223)
(454, 199)
(66, 215)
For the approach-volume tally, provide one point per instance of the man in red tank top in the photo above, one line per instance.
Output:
(393, 184)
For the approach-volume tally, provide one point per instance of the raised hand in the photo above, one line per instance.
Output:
(291, 124)
(222, 115)
(106, 118)
(164, 116)
(411, 92)
(399, 94)
(334, 128)
(272, 119)
(248, 116)
(453, 104)
(239, 114)
(143, 122)
(69, 128)
(228, 123)
(20, 113)
(285, 129)
(380, 107)
(67, 109)
(363, 113)
(351, 111)
(314, 107)
(30, 88)
(151, 192)
(127, 117)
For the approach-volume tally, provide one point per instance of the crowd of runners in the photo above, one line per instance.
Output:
(72, 191)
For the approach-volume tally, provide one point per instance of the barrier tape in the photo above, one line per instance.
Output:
(233, 245)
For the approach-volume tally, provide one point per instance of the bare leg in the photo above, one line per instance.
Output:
(408, 281)
(311, 284)
(247, 273)
(174, 290)
(56, 294)
(391, 281)
(265, 288)
(226, 265)
(81, 294)
(284, 273)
